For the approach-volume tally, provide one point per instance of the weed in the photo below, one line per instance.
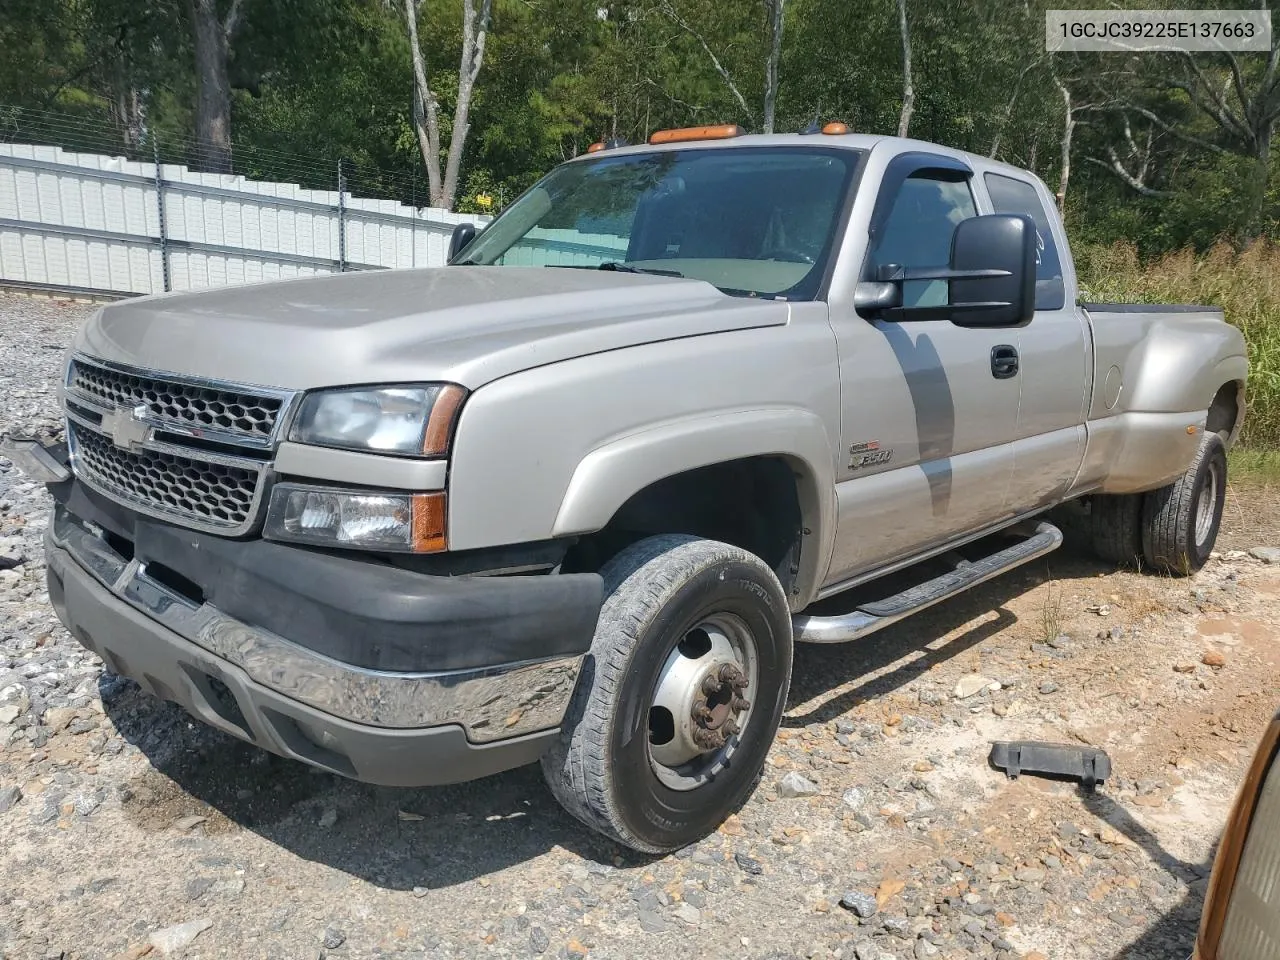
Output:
(1051, 612)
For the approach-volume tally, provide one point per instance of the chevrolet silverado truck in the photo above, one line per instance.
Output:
(573, 497)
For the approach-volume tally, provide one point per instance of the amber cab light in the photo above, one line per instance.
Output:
(835, 128)
(723, 131)
(596, 147)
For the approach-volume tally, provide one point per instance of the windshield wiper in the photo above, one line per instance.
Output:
(618, 267)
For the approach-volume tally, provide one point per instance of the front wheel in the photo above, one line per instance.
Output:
(1180, 521)
(680, 696)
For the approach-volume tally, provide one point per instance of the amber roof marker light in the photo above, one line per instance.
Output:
(723, 131)
(835, 128)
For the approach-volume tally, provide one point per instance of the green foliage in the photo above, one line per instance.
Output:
(315, 81)
(1246, 284)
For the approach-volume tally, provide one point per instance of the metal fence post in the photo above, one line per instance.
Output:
(342, 222)
(164, 230)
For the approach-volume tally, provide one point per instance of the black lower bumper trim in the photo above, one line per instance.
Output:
(359, 611)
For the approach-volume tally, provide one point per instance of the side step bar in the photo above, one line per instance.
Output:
(876, 615)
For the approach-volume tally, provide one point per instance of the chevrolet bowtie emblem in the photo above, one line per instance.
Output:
(127, 428)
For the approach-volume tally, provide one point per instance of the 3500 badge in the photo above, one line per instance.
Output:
(869, 454)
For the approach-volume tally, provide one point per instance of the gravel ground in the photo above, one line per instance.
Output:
(879, 830)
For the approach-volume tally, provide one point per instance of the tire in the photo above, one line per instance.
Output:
(1180, 522)
(1115, 528)
(660, 593)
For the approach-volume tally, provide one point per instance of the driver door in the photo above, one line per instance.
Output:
(927, 415)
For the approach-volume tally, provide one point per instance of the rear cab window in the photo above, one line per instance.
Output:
(1011, 195)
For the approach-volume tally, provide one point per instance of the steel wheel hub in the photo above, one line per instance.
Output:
(699, 707)
(1205, 505)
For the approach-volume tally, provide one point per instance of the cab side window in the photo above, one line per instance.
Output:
(1010, 195)
(917, 231)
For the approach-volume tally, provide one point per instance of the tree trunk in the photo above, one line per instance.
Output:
(1258, 182)
(1068, 131)
(212, 35)
(775, 8)
(475, 28)
(426, 113)
(426, 109)
(908, 89)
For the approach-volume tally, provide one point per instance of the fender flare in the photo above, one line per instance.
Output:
(608, 476)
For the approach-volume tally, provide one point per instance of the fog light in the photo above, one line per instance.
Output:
(363, 520)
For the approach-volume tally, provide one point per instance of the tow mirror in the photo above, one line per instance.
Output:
(993, 262)
(463, 234)
(991, 278)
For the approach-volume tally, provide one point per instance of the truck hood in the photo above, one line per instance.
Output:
(466, 325)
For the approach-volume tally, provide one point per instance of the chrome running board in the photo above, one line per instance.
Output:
(876, 615)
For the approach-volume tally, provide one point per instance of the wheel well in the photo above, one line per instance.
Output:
(1224, 412)
(751, 503)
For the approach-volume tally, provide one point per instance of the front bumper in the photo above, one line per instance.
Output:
(395, 728)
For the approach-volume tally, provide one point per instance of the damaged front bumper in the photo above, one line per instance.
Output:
(403, 729)
(367, 670)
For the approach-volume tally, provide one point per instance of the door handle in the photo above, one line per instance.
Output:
(1004, 361)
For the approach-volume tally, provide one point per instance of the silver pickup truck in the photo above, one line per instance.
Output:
(573, 497)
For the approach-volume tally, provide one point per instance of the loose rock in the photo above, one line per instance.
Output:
(748, 864)
(689, 914)
(855, 798)
(333, 938)
(538, 940)
(971, 684)
(9, 797)
(794, 785)
(861, 904)
(172, 939)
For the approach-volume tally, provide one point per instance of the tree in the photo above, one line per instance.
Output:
(908, 89)
(1241, 101)
(212, 32)
(426, 108)
(776, 13)
(717, 19)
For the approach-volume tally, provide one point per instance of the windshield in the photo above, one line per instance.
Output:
(752, 221)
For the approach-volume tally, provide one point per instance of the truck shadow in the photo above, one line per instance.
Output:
(396, 838)
(1172, 935)
(900, 654)
(437, 837)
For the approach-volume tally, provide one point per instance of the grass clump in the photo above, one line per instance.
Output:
(1245, 283)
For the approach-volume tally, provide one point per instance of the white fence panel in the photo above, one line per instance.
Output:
(86, 222)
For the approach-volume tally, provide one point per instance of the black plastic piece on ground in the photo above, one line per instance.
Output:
(1087, 764)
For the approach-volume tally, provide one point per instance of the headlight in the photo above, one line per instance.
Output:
(410, 420)
(363, 520)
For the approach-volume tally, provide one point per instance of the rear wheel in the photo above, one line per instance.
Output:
(1180, 522)
(1115, 527)
(680, 696)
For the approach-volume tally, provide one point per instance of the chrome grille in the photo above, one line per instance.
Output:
(198, 407)
(188, 489)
